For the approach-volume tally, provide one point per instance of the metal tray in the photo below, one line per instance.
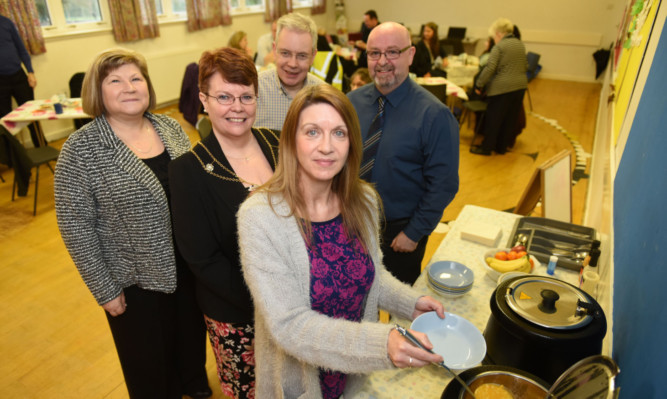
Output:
(545, 237)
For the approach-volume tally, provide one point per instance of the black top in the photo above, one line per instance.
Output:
(422, 63)
(204, 215)
(160, 166)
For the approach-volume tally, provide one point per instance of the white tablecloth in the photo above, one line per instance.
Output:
(452, 88)
(37, 110)
(429, 382)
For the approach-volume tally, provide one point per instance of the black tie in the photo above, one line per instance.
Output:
(372, 142)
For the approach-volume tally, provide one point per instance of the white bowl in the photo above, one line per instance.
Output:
(456, 339)
(450, 274)
(493, 274)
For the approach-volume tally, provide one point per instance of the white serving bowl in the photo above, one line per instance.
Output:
(454, 338)
(493, 274)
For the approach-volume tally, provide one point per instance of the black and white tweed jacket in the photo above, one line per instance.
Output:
(112, 211)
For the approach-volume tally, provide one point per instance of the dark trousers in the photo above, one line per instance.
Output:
(161, 343)
(500, 120)
(17, 86)
(405, 266)
(191, 333)
(145, 339)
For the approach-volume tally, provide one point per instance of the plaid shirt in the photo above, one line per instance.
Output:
(273, 101)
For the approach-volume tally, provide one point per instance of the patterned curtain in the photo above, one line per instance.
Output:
(24, 15)
(277, 8)
(319, 7)
(133, 20)
(204, 14)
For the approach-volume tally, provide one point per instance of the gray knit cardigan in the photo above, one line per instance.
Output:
(291, 340)
(112, 211)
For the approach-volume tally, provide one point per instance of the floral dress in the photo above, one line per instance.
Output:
(341, 275)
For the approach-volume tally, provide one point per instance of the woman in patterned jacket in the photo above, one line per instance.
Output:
(112, 205)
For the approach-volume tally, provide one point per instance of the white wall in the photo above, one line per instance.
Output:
(167, 56)
(566, 33)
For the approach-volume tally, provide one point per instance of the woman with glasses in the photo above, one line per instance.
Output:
(208, 184)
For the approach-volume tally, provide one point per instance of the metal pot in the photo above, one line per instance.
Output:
(519, 383)
(542, 325)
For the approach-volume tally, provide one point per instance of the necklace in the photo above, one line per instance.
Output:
(134, 147)
(210, 166)
(244, 158)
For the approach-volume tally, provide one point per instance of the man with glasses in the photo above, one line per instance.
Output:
(411, 150)
(294, 49)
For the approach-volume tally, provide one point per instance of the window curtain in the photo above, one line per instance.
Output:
(133, 20)
(204, 14)
(24, 15)
(277, 8)
(319, 7)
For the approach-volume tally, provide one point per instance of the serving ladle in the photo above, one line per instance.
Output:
(408, 335)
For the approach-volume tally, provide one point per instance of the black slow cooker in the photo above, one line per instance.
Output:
(542, 325)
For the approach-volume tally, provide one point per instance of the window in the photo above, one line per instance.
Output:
(58, 17)
(170, 9)
(246, 6)
(302, 3)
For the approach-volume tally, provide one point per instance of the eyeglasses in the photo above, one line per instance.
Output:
(226, 99)
(391, 54)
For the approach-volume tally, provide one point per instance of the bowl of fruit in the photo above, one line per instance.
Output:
(498, 261)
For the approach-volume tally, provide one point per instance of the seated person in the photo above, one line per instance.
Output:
(430, 56)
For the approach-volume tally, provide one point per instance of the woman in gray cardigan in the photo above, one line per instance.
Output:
(113, 214)
(310, 254)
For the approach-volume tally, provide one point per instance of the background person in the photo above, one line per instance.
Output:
(265, 54)
(13, 80)
(208, 184)
(294, 49)
(112, 205)
(370, 22)
(416, 166)
(505, 82)
(311, 257)
(430, 56)
(239, 41)
(359, 78)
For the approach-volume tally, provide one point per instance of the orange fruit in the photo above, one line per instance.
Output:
(512, 255)
(521, 254)
(501, 255)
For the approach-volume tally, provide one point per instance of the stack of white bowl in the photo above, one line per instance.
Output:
(450, 278)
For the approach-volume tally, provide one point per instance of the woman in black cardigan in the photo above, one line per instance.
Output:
(208, 184)
(430, 56)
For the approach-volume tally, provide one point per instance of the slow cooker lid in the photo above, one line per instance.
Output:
(548, 303)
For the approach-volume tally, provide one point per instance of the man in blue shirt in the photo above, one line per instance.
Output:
(13, 80)
(417, 160)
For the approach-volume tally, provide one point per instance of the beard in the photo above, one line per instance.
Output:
(385, 80)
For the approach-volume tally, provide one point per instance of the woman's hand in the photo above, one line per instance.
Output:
(116, 306)
(404, 354)
(427, 304)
